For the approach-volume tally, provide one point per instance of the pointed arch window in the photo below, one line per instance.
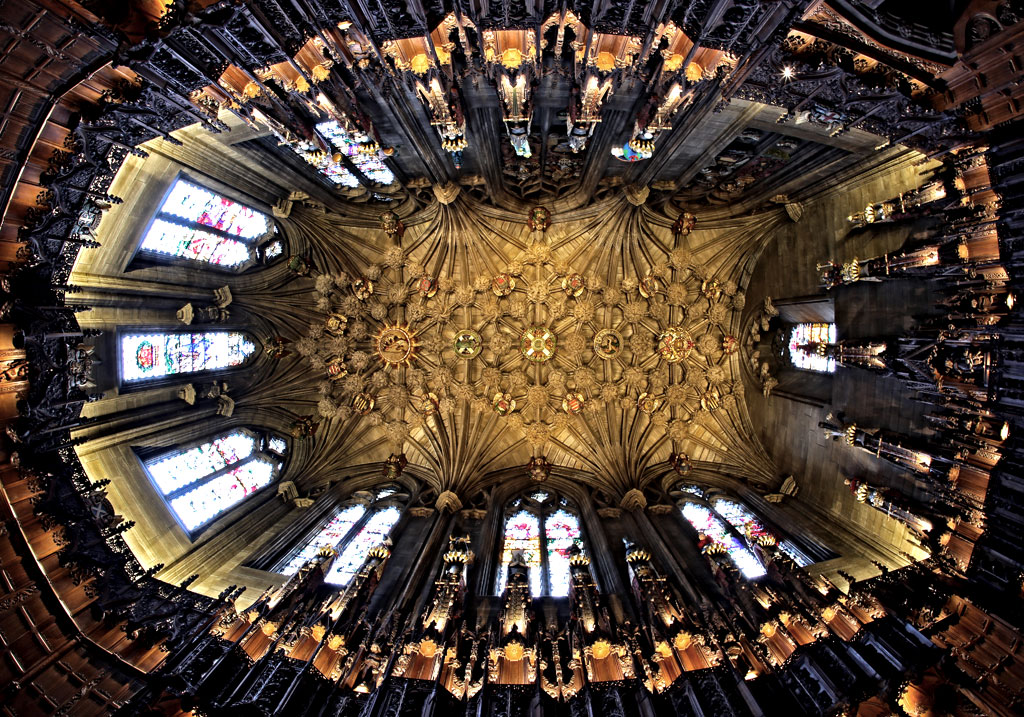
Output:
(353, 555)
(744, 521)
(153, 355)
(199, 225)
(808, 347)
(330, 535)
(544, 530)
(203, 481)
(707, 523)
(351, 529)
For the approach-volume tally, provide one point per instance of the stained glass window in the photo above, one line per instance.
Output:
(153, 355)
(705, 521)
(522, 532)
(739, 517)
(335, 172)
(807, 344)
(181, 469)
(545, 536)
(352, 145)
(562, 530)
(201, 482)
(277, 445)
(332, 533)
(197, 224)
(373, 533)
(201, 504)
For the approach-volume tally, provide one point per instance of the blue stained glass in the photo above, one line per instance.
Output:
(522, 532)
(202, 504)
(352, 557)
(145, 356)
(332, 533)
(709, 524)
(804, 341)
(562, 530)
(186, 467)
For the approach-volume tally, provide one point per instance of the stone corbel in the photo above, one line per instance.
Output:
(225, 406)
(185, 314)
(287, 491)
(187, 393)
(222, 296)
(282, 209)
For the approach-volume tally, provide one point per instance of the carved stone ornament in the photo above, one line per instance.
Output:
(448, 501)
(636, 195)
(634, 499)
(446, 193)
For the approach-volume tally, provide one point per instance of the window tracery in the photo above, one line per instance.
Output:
(200, 225)
(153, 355)
(331, 534)
(353, 555)
(716, 533)
(203, 481)
(544, 530)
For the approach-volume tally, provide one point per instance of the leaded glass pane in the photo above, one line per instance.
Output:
(353, 556)
(145, 356)
(706, 522)
(370, 166)
(277, 445)
(806, 344)
(172, 239)
(197, 204)
(186, 467)
(331, 534)
(795, 554)
(742, 519)
(205, 502)
(562, 530)
(522, 532)
(335, 172)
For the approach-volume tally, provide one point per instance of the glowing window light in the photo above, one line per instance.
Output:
(370, 165)
(201, 504)
(186, 467)
(562, 530)
(740, 518)
(331, 534)
(803, 342)
(197, 204)
(194, 244)
(352, 557)
(706, 522)
(154, 355)
(522, 532)
(197, 224)
(277, 445)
